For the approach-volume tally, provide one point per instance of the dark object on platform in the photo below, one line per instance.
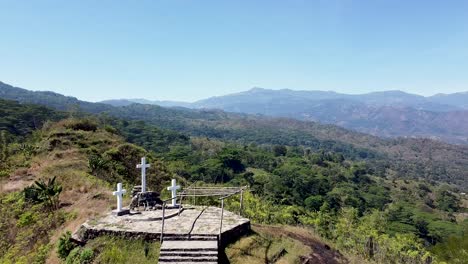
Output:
(149, 200)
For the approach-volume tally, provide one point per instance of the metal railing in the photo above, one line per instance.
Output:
(164, 216)
(241, 191)
(222, 211)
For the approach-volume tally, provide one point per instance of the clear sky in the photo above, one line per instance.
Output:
(192, 49)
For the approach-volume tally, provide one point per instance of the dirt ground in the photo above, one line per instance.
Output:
(321, 252)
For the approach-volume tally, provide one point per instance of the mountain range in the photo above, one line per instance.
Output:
(400, 157)
(384, 114)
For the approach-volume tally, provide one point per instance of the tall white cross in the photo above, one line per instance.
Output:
(143, 167)
(173, 188)
(119, 194)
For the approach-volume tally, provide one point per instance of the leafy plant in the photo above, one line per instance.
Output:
(96, 163)
(80, 256)
(44, 192)
(65, 245)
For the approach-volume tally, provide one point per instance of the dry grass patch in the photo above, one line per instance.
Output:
(285, 244)
(265, 247)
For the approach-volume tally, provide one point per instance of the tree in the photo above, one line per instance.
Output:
(231, 160)
(447, 201)
(3, 145)
(280, 150)
(314, 202)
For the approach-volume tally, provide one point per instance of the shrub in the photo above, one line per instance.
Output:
(65, 245)
(111, 129)
(82, 124)
(73, 256)
(86, 255)
(4, 173)
(96, 163)
(80, 256)
(27, 218)
(314, 202)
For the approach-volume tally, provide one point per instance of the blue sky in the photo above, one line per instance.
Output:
(188, 50)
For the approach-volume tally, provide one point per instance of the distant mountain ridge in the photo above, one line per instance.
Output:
(401, 157)
(385, 114)
(165, 103)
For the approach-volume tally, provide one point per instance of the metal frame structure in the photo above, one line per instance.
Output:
(224, 192)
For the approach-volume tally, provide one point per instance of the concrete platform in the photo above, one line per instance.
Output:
(197, 221)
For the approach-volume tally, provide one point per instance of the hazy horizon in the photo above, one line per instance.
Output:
(149, 98)
(190, 50)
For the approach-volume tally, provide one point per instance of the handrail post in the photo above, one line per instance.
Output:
(180, 205)
(162, 223)
(241, 200)
(221, 222)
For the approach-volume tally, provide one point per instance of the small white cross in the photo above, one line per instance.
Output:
(173, 188)
(119, 194)
(143, 167)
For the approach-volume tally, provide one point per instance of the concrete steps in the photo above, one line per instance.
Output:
(185, 250)
(191, 237)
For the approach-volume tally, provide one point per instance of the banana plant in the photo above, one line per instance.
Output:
(45, 192)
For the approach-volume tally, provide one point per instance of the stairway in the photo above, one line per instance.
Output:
(196, 249)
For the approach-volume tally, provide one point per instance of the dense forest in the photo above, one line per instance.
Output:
(411, 158)
(334, 189)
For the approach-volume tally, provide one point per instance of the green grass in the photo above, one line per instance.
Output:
(119, 250)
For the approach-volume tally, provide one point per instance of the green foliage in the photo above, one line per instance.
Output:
(25, 229)
(44, 192)
(402, 157)
(19, 120)
(65, 245)
(86, 255)
(97, 164)
(80, 256)
(26, 219)
(314, 202)
(4, 138)
(295, 177)
(280, 150)
(119, 250)
(446, 201)
(453, 250)
(82, 124)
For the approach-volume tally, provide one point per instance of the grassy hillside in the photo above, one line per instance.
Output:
(31, 228)
(359, 212)
(284, 244)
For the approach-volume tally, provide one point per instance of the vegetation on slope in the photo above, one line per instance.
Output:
(105, 249)
(30, 224)
(364, 213)
(283, 244)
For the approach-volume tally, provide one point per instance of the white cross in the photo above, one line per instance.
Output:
(173, 188)
(119, 194)
(143, 167)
